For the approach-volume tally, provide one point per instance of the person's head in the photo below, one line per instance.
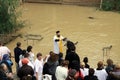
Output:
(53, 57)
(39, 56)
(29, 48)
(60, 55)
(91, 72)
(117, 67)
(58, 33)
(26, 55)
(85, 60)
(109, 62)
(3, 67)
(71, 74)
(82, 65)
(70, 46)
(23, 52)
(100, 65)
(24, 61)
(65, 63)
(51, 52)
(18, 44)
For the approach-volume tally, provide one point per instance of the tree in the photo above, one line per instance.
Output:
(9, 17)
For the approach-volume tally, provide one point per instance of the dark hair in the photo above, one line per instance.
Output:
(29, 48)
(57, 31)
(71, 46)
(85, 60)
(64, 63)
(23, 52)
(91, 72)
(39, 54)
(26, 55)
(18, 44)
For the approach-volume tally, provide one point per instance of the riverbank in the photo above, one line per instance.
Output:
(74, 23)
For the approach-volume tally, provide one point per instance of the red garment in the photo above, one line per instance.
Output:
(79, 75)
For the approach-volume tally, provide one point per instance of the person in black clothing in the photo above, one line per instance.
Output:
(71, 55)
(17, 53)
(85, 60)
(51, 65)
(91, 75)
(25, 70)
(4, 73)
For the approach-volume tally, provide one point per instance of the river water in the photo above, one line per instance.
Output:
(93, 29)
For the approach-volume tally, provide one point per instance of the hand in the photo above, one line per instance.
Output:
(65, 39)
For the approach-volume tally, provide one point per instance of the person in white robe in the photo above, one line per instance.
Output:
(58, 42)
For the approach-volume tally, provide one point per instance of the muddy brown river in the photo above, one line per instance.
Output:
(93, 29)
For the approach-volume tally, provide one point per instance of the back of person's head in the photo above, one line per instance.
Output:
(26, 55)
(82, 65)
(117, 67)
(109, 62)
(25, 61)
(71, 74)
(85, 60)
(18, 44)
(24, 52)
(29, 48)
(65, 63)
(60, 55)
(29, 77)
(53, 57)
(3, 67)
(71, 46)
(100, 65)
(51, 52)
(91, 72)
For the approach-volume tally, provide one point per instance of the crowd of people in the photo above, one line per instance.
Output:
(53, 66)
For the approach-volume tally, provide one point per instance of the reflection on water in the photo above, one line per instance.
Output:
(74, 23)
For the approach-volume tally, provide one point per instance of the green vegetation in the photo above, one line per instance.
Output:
(109, 5)
(9, 16)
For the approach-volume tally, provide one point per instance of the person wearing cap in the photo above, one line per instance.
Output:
(25, 70)
(26, 56)
(58, 42)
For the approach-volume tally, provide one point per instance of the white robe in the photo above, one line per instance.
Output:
(56, 44)
(39, 68)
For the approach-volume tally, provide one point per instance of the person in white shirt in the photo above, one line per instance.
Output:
(58, 45)
(62, 71)
(100, 72)
(31, 54)
(83, 69)
(4, 50)
(39, 66)
(26, 56)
